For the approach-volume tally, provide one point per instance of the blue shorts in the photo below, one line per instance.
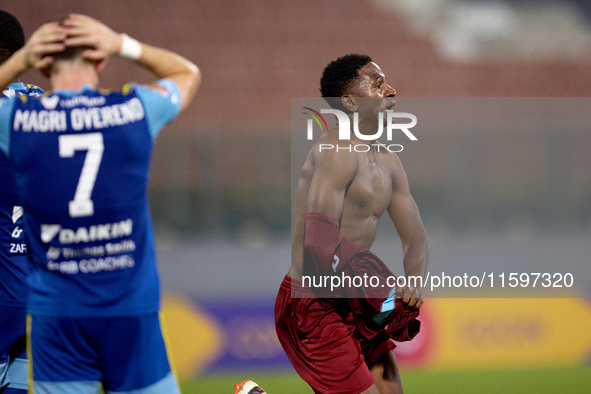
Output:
(13, 359)
(75, 355)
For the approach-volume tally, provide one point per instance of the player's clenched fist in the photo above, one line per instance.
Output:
(411, 297)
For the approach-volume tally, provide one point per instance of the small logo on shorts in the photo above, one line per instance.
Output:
(336, 263)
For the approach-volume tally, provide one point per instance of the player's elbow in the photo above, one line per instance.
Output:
(416, 241)
(188, 84)
(419, 240)
(420, 236)
(195, 79)
(195, 74)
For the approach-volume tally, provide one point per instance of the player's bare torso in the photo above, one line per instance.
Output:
(367, 196)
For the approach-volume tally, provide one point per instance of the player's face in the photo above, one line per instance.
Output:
(372, 83)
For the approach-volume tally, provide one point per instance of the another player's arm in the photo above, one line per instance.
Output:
(44, 41)
(85, 31)
(405, 215)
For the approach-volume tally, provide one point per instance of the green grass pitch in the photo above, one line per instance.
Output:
(559, 380)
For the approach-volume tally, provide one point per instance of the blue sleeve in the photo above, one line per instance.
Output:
(6, 106)
(161, 106)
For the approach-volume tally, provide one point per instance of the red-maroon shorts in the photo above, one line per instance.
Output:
(321, 344)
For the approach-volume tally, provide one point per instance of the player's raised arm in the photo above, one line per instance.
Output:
(405, 214)
(333, 171)
(104, 42)
(44, 41)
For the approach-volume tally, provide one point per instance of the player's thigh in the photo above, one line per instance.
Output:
(135, 357)
(18, 369)
(384, 369)
(63, 354)
(324, 352)
(13, 362)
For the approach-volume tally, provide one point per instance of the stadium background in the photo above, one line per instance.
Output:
(220, 185)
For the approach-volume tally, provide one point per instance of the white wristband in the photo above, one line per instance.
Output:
(130, 48)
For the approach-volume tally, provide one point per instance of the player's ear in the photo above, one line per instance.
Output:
(350, 103)
(99, 65)
(46, 71)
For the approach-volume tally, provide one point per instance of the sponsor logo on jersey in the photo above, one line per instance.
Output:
(83, 100)
(50, 102)
(99, 232)
(92, 266)
(17, 213)
(18, 248)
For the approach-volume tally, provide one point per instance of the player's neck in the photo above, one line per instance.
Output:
(367, 127)
(72, 76)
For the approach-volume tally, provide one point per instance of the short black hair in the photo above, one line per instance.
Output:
(12, 36)
(338, 75)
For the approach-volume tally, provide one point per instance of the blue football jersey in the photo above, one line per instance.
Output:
(81, 162)
(14, 264)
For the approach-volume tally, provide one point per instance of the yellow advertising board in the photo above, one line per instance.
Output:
(493, 332)
(456, 333)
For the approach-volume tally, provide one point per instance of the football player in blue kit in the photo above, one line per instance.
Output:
(14, 263)
(81, 157)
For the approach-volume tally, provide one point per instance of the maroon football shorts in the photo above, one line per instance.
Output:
(322, 343)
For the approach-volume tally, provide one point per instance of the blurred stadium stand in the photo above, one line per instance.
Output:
(212, 171)
(220, 186)
(467, 30)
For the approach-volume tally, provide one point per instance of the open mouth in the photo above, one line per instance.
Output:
(389, 107)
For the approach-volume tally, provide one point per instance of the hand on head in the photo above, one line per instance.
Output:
(75, 31)
(46, 40)
(85, 31)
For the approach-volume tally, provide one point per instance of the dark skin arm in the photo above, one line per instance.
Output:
(333, 171)
(406, 218)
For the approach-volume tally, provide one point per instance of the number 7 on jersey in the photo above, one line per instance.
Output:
(82, 205)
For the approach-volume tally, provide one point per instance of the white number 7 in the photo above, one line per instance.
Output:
(82, 205)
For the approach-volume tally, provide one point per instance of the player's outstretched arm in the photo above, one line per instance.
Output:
(404, 213)
(46, 40)
(104, 42)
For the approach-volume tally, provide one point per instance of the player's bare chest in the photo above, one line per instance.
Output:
(371, 189)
